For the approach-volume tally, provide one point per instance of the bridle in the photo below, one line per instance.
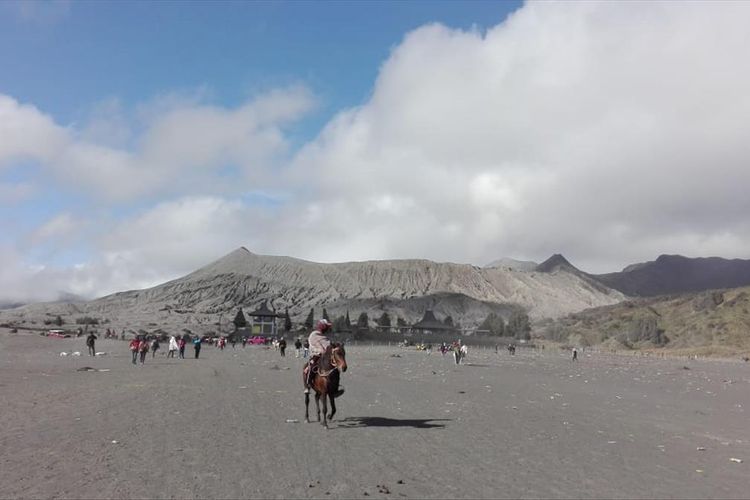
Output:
(333, 361)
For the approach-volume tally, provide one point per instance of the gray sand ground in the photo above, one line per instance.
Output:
(533, 425)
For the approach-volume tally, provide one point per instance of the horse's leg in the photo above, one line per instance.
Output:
(307, 407)
(333, 407)
(317, 403)
(325, 407)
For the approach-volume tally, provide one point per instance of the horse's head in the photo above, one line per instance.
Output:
(338, 356)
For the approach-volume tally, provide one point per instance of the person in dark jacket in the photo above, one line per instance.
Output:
(197, 346)
(90, 340)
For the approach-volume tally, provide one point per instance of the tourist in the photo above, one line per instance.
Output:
(575, 354)
(306, 349)
(197, 346)
(134, 345)
(297, 348)
(172, 346)
(282, 347)
(155, 347)
(181, 346)
(143, 349)
(244, 342)
(90, 344)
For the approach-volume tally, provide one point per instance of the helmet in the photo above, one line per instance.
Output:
(324, 325)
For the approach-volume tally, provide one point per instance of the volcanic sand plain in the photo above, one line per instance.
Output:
(410, 425)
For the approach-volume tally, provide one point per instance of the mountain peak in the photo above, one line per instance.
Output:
(554, 263)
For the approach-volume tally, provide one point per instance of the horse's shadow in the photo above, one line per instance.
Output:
(359, 422)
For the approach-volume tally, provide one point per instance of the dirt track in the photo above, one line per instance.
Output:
(525, 426)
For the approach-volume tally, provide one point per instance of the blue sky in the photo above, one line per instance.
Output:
(141, 140)
(81, 53)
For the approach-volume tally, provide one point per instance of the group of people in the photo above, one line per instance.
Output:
(140, 346)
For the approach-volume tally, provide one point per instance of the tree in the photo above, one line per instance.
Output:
(339, 324)
(494, 324)
(325, 315)
(448, 321)
(384, 320)
(59, 321)
(310, 319)
(400, 321)
(363, 321)
(239, 320)
(287, 321)
(519, 325)
(348, 322)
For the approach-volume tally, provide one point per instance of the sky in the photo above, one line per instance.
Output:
(142, 140)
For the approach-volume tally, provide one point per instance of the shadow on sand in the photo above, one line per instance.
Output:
(358, 422)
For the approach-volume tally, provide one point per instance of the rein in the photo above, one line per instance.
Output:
(334, 366)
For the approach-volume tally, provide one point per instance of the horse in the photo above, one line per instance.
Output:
(325, 381)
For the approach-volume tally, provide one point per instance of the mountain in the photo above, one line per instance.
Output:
(712, 322)
(212, 293)
(673, 274)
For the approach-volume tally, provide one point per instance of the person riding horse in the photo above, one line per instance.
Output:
(319, 345)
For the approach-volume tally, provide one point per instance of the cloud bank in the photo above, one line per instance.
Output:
(609, 132)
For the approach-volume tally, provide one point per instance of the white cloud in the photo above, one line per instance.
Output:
(183, 149)
(547, 133)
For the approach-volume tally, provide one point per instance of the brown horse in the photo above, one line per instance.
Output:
(325, 381)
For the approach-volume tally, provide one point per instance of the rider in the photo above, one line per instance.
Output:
(319, 344)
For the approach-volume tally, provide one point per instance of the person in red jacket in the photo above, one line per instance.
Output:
(143, 349)
(134, 345)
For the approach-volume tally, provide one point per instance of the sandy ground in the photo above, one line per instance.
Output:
(533, 425)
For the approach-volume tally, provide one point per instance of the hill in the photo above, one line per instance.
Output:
(709, 322)
(670, 274)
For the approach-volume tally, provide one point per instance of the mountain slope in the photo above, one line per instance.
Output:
(709, 322)
(670, 274)
(244, 279)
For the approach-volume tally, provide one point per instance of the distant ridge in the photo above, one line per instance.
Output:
(674, 274)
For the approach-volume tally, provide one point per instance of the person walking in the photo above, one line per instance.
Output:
(181, 346)
(297, 347)
(172, 347)
(134, 345)
(575, 354)
(143, 349)
(90, 340)
(197, 346)
(282, 347)
(305, 348)
(154, 347)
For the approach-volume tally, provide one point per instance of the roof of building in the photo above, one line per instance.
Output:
(264, 312)
(430, 322)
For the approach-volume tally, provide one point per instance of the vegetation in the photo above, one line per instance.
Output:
(239, 320)
(363, 322)
(494, 324)
(86, 320)
(519, 326)
(310, 320)
(384, 320)
(287, 321)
